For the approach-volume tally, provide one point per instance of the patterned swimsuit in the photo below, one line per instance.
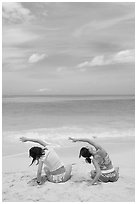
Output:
(107, 174)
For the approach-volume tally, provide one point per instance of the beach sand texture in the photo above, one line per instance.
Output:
(19, 179)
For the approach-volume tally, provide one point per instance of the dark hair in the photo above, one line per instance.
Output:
(84, 152)
(88, 160)
(35, 153)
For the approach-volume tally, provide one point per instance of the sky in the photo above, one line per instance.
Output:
(68, 48)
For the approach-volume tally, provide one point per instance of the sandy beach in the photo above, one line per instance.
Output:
(68, 71)
(19, 179)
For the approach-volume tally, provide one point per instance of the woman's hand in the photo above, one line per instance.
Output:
(23, 139)
(95, 183)
(73, 139)
(39, 182)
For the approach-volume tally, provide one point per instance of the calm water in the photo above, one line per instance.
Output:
(54, 118)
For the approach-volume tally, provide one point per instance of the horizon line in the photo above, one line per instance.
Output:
(44, 95)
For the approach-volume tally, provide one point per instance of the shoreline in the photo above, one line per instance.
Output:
(67, 143)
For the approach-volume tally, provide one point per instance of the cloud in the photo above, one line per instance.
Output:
(125, 56)
(15, 36)
(15, 12)
(44, 90)
(14, 55)
(97, 25)
(83, 64)
(60, 69)
(36, 57)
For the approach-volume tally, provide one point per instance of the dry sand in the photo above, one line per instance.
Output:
(19, 179)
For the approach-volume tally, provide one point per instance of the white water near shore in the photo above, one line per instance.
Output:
(54, 119)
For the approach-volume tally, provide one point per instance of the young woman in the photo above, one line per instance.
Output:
(54, 168)
(104, 170)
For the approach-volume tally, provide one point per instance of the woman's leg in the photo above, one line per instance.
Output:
(47, 172)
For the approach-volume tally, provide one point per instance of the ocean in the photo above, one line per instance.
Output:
(55, 118)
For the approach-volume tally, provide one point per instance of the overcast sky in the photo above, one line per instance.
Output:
(68, 48)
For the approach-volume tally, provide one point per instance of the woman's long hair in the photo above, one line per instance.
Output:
(35, 153)
(84, 152)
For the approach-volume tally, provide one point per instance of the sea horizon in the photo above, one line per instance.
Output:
(60, 95)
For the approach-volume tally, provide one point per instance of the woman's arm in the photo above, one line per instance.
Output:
(25, 139)
(97, 146)
(39, 172)
(97, 168)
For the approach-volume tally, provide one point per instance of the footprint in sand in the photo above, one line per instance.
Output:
(13, 180)
(22, 177)
(11, 185)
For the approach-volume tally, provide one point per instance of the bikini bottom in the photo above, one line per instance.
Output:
(109, 176)
(58, 178)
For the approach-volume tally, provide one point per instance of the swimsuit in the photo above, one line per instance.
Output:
(105, 163)
(107, 173)
(58, 178)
